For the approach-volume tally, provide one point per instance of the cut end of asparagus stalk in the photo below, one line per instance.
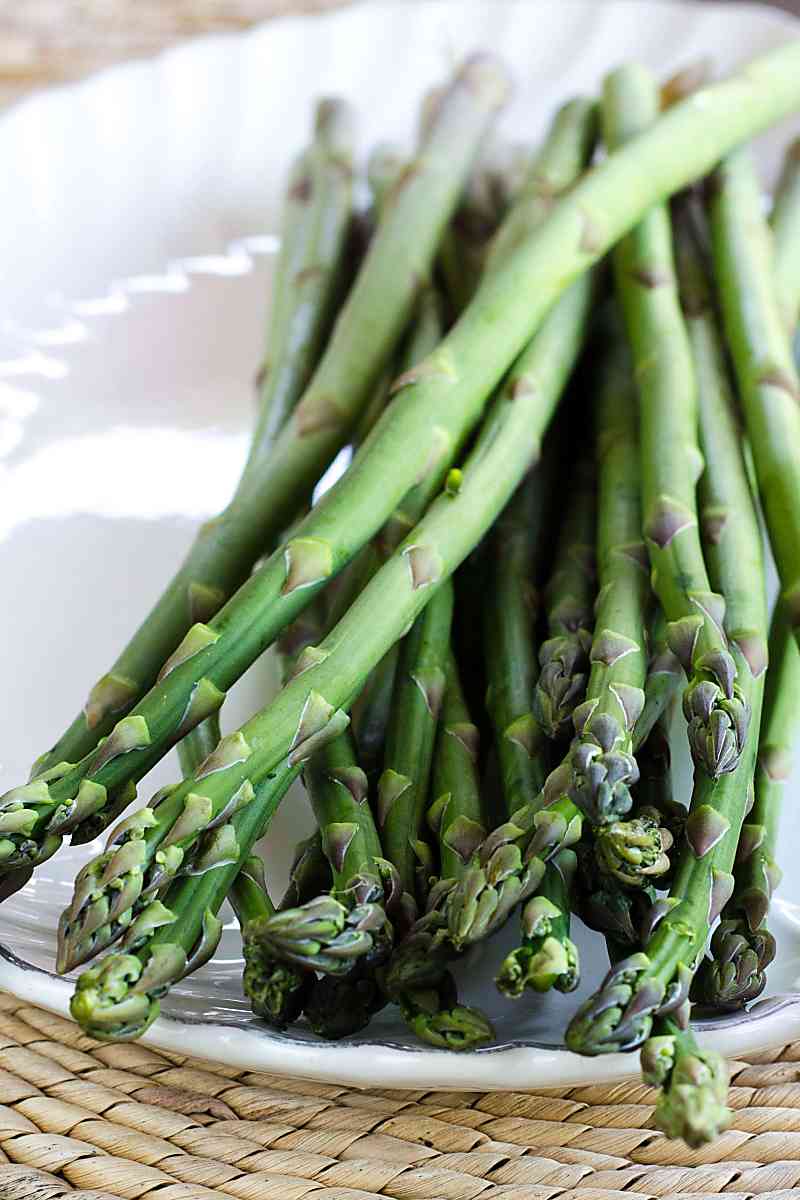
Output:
(326, 935)
(694, 1087)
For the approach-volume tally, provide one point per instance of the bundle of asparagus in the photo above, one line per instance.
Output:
(457, 773)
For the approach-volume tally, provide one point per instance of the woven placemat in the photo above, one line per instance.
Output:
(101, 1122)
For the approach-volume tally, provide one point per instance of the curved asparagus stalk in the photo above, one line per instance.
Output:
(762, 356)
(413, 722)
(693, 1082)
(369, 325)
(786, 238)
(671, 462)
(547, 958)
(118, 999)
(570, 594)
(314, 233)
(449, 389)
(508, 640)
(742, 946)
(656, 981)
(277, 991)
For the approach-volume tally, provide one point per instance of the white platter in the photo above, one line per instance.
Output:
(136, 243)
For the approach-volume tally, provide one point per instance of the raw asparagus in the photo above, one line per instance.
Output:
(681, 145)
(759, 342)
(569, 602)
(694, 1084)
(277, 991)
(742, 946)
(786, 238)
(547, 958)
(508, 642)
(671, 461)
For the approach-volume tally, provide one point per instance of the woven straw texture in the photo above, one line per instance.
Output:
(95, 1122)
(92, 1122)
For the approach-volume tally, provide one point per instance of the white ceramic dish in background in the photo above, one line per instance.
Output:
(136, 247)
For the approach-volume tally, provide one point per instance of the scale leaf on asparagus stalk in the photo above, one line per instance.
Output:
(449, 388)
(671, 461)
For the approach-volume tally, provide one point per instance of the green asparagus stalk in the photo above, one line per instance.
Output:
(692, 1104)
(416, 703)
(786, 238)
(448, 390)
(508, 639)
(457, 814)
(671, 462)
(655, 982)
(118, 999)
(314, 232)
(547, 958)
(277, 991)
(605, 906)
(435, 1016)
(601, 757)
(569, 597)
(742, 946)
(759, 342)
(365, 333)
(664, 676)
(310, 873)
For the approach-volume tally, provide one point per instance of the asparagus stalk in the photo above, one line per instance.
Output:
(547, 958)
(456, 815)
(664, 675)
(656, 981)
(786, 238)
(310, 873)
(416, 703)
(692, 1104)
(314, 233)
(759, 342)
(368, 327)
(448, 389)
(564, 656)
(118, 999)
(277, 991)
(508, 638)
(671, 462)
(742, 946)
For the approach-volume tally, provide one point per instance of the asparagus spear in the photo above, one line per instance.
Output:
(742, 946)
(564, 656)
(786, 238)
(118, 999)
(403, 785)
(671, 462)
(456, 815)
(455, 381)
(693, 1081)
(656, 981)
(310, 873)
(508, 639)
(314, 230)
(664, 675)
(762, 357)
(547, 958)
(277, 991)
